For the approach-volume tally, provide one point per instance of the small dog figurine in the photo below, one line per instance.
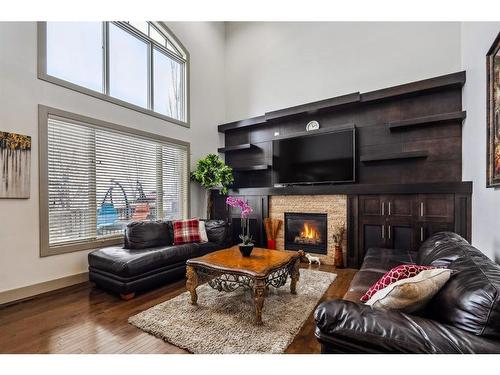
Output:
(312, 259)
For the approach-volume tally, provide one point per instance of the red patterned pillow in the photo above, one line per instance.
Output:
(403, 271)
(186, 231)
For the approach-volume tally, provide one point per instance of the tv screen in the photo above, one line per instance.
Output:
(318, 158)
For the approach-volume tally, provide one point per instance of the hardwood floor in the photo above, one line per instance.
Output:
(82, 319)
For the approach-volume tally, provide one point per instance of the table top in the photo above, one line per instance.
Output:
(259, 264)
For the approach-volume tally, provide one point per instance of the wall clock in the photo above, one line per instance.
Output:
(312, 125)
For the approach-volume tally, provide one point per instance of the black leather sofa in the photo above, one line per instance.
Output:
(464, 317)
(148, 257)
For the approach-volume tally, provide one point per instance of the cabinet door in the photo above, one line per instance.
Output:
(372, 233)
(436, 208)
(371, 206)
(401, 234)
(400, 206)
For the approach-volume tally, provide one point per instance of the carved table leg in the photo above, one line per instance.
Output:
(192, 283)
(259, 295)
(294, 276)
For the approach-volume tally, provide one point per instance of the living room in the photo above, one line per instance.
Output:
(241, 186)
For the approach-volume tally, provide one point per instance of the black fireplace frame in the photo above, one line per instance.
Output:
(316, 249)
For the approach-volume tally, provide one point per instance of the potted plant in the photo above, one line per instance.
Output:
(246, 245)
(211, 172)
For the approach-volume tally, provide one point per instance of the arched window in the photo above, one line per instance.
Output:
(139, 65)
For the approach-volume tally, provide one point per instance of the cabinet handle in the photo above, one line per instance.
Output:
(422, 234)
(389, 208)
(383, 208)
(421, 208)
(383, 232)
(389, 232)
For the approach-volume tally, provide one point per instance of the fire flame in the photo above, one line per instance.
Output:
(310, 232)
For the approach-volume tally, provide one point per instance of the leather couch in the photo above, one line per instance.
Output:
(148, 257)
(463, 317)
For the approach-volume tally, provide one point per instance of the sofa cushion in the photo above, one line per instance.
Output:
(382, 259)
(439, 249)
(377, 261)
(203, 231)
(186, 231)
(411, 294)
(361, 282)
(217, 231)
(403, 271)
(146, 234)
(471, 299)
(130, 262)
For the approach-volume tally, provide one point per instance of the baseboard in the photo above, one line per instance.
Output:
(15, 295)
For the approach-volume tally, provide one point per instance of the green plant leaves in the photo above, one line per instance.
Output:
(211, 172)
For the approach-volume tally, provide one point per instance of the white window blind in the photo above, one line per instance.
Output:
(100, 179)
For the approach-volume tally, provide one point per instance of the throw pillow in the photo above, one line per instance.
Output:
(186, 231)
(411, 294)
(402, 271)
(203, 232)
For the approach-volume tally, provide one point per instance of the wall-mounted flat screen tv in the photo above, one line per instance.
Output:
(316, 158)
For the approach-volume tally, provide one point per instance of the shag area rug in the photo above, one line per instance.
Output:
(224, 322)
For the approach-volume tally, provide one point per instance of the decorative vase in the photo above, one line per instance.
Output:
(246, 250)
(339, 257)
(271, 244)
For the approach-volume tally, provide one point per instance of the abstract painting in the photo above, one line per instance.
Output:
(493, 113)
(15, 165)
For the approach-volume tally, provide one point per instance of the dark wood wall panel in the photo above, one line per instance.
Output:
(441, 143)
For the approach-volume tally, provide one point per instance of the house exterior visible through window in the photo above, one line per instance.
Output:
(139, 65)
(98, 179)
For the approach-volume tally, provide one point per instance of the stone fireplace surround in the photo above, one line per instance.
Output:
(335, 206)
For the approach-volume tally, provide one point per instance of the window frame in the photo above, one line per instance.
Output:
(44, 112)
(185, 63)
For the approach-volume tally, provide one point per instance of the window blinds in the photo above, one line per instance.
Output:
(100, 179)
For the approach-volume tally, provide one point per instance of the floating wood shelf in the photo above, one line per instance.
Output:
(445, 82)
(395, 156)
(314, 107)
(261, 167)
(245, 146)
(427, 120)
(242, 123)
(464, 187)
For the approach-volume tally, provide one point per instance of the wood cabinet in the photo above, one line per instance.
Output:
(259, 204)
(398, 221)
(404, 221)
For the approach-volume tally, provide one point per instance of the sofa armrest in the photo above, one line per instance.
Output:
(345, 326)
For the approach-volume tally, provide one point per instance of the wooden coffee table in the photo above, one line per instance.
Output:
(227, 270)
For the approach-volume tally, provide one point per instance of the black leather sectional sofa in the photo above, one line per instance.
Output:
(464, 317)
(148, 257)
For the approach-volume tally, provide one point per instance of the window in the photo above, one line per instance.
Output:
(139, 65)
(99, 177)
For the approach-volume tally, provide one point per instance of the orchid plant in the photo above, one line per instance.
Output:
(245, 208)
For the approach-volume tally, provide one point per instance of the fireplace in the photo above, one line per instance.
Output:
(306, 231)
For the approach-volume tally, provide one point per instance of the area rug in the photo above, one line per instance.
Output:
(224, 322)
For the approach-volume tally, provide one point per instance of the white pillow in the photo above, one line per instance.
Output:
(203, 231)
(411, 294)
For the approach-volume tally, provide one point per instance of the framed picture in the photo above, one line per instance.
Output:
(15, 165)
(493, 113)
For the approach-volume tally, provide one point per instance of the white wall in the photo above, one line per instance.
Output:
(280, 64)
(477, 38)
(20, 94)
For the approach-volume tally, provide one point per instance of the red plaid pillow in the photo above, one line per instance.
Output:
(186, 231)
(403, 271)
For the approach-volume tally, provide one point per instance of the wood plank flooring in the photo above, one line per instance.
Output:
(82, 319)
